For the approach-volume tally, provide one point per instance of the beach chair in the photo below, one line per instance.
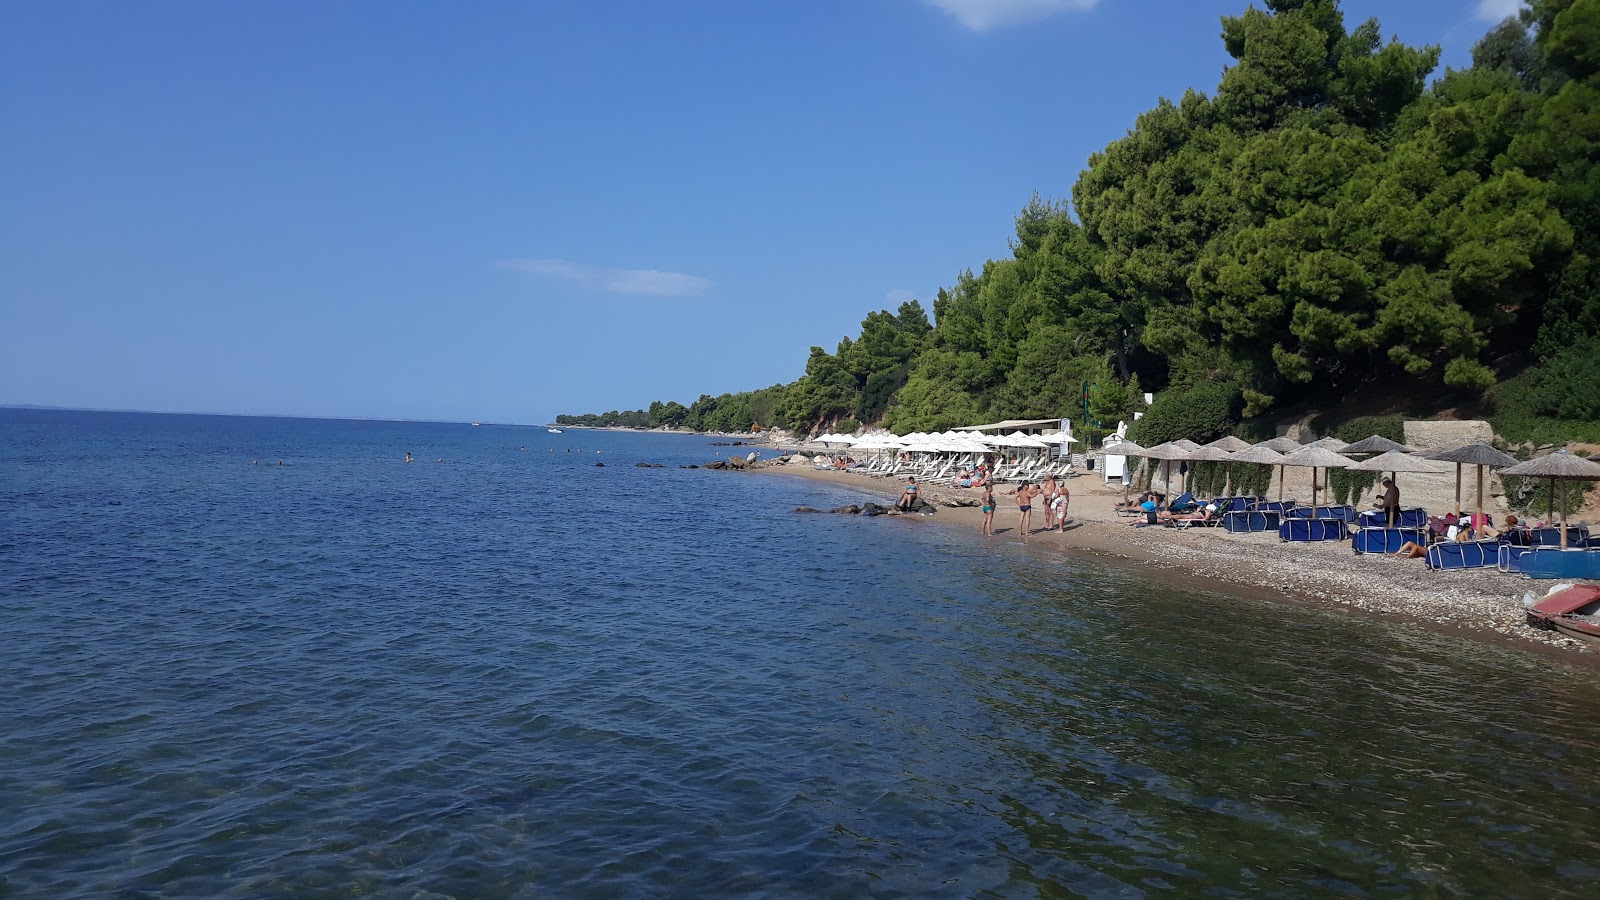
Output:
(1554, 562)
(1551, 536)
(1464, 555)
(1386, 540)
(1306, 530)
(1244, 521)
(1410, 517)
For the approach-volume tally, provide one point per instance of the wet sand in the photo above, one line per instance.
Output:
(1483, 604)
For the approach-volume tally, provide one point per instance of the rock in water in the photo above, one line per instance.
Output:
(806, 509)
(871, 509)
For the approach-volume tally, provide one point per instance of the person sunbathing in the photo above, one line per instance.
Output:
(1410, 550)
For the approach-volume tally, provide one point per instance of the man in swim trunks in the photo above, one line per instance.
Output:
(1025, 493)
(1049, 501)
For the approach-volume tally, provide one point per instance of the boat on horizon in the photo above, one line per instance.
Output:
(477, 423)
(553, 430)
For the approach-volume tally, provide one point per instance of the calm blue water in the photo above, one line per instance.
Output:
(513, 673)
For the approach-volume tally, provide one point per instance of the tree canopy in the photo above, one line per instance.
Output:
(1328, 217)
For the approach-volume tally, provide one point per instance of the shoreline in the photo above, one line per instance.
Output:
(1483, 605)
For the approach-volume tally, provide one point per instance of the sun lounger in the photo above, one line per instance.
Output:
(1280, 507)
(1551, 536)
(1308, 530)
(1386, 540)
(1554, 562)
(1241, 521)
(1410, 517)
(1346, 514)
(1464, 555)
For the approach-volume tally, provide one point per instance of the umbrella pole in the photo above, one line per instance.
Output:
(1480, 496)
(1280, 485)
(1458, 490)
(1563, 483)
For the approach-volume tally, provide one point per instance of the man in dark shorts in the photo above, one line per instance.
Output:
(1391, 502)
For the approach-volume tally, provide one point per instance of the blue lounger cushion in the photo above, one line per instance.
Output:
(1551, 536)
(1386, 540)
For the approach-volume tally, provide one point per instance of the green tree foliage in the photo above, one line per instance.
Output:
(1327, 218)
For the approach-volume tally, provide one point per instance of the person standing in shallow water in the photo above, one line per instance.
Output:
(988, 509)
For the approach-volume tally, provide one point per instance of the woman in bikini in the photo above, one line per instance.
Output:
(1059, 507)
(908, 498)
(988, 510)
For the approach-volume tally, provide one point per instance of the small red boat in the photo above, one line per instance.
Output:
(1574, 611)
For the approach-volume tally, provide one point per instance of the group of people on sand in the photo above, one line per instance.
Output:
(1054, 499)
(1476, 527)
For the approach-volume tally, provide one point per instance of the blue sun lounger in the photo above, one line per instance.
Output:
(1464, 555)
(1239, 521)
(1551, 536)
(1410, 517)
(1386, 540)
(1554, 562)
(1281, 507)
(1345, 514)
(1308, 530)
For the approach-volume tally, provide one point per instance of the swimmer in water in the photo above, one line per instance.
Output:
(408, 456)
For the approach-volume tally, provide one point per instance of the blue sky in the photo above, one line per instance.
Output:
(499, 211)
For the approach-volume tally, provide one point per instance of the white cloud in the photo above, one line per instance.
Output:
(1498, 10)
(615, 281)
(899, 296)
(983, 15)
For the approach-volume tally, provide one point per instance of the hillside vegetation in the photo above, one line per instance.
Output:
(1327, 220)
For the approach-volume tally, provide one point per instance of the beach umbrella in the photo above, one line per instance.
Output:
(1329, 443)
(1167, 453)
(1121, 448)
(1186, 444)
(1395, 462)
(1477, 454)
(1281, 444)
(1229, 443)
(1209, 453)
(1560, 467)
(1260, 454)
(1375, 444)
(1313, 457)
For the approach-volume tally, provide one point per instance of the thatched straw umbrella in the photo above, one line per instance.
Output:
(1375, 444)
(1167, 453)
(1121, 448)
(1561, 467)
(1395, 462)
(1475, 454)
(1208, 454)
(1281, 444)
(1313, 457)
(1260, 455)
(1329, 443)
(1229, 443)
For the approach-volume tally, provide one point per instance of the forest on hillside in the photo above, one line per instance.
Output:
(1328, 219)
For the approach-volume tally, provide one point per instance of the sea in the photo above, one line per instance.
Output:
(260, 657)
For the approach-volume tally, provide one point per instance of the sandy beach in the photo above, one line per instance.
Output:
(1483, 604)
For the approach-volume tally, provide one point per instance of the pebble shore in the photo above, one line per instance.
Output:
(1482, 603)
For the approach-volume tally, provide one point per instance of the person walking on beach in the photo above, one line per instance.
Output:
(1025, 493)
(988, 509)
(1391, 502)
(1049, 501)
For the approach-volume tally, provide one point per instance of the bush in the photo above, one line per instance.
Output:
(1200, 413)
(1552, 403)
